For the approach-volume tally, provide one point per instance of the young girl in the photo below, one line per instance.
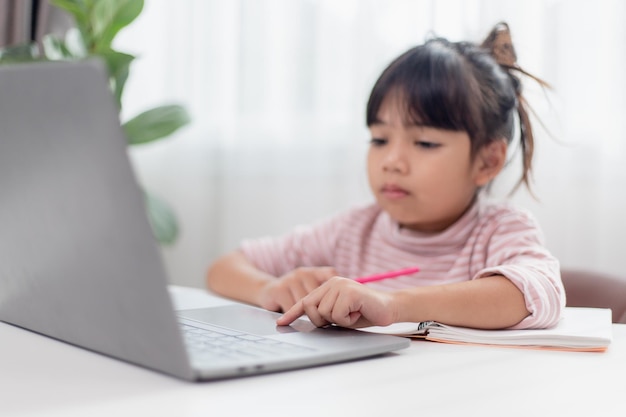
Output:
(441, 117)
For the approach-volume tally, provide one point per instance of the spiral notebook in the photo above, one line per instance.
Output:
(580, 329)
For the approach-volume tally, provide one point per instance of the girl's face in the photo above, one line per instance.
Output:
(423, 177)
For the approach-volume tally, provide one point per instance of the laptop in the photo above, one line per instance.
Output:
(78, 260)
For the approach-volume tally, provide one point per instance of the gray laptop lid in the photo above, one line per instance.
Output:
(78, 261)
(77, 258)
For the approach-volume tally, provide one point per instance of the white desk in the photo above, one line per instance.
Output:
(43, 377)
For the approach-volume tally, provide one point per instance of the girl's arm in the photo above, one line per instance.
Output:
(233, 276)
(492, 302)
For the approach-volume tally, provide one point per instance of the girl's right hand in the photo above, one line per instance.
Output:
(285, 291)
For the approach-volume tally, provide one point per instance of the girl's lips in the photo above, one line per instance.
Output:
(393, 192)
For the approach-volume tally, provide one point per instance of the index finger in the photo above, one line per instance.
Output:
(291, 315)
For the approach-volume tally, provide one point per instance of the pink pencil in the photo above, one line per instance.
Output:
(385, 275)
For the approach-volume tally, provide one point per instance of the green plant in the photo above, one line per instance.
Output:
(97, 24)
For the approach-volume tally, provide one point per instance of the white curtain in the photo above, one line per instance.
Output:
(277, 92)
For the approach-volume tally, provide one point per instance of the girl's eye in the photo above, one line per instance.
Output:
(378, 141)
(425, 144)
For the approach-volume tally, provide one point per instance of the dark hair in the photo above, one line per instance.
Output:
(461, 86)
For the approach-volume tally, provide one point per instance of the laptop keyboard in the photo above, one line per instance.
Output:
(211, 343)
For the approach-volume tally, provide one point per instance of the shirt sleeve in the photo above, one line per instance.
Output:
(310, 245)
(516, 250)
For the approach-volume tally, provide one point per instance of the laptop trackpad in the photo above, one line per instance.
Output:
(245, 319)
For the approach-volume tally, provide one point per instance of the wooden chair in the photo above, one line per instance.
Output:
(585, 288)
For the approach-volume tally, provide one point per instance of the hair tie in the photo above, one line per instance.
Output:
(501, 46)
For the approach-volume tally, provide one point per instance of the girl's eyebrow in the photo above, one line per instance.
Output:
(378, 121)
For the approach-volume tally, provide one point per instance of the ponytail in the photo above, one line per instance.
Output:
(500, 45)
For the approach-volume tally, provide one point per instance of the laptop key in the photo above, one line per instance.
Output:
(213, 343)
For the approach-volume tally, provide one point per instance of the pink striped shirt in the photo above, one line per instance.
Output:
(488, 239)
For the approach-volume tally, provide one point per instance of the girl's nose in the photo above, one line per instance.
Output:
(395, 160)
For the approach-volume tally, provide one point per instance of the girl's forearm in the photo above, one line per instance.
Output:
(488, 303)
(233, 276)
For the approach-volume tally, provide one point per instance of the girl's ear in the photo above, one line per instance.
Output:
(489, 162)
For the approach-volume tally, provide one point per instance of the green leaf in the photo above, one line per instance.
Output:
(80, 11)
(75, 43)
(20, 53)
(162, 220)
(118, 64)
(55, 49)
(155, 124)
(108, 17)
